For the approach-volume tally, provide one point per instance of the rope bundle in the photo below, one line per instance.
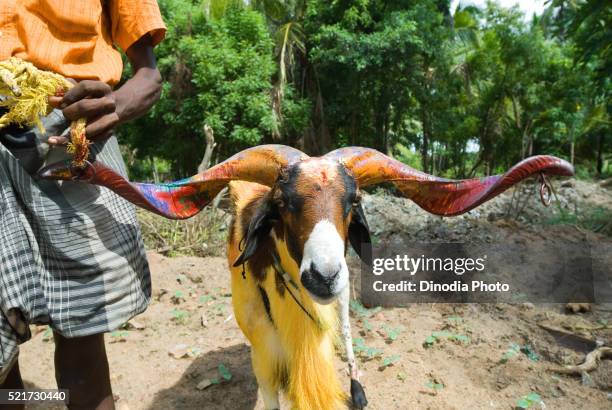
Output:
(24, 91)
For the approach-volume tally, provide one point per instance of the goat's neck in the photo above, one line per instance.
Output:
(308, 344)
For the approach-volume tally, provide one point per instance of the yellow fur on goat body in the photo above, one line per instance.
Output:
(294, 354)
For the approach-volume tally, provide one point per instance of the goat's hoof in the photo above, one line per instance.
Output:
(358, 396)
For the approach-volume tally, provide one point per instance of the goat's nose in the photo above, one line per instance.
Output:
(319, 281)
(328, 275)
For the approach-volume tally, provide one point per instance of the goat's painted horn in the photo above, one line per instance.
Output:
(185, 198)
(441, 196)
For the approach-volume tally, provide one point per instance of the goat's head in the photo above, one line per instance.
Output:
(316, 199)
(315, 208)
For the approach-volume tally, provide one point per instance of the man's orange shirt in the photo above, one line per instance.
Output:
(76, 38)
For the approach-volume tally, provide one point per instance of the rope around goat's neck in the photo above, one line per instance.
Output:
(285, 278)
(25, 90)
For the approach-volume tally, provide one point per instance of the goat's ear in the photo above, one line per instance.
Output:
(261, 223)
(359, 235)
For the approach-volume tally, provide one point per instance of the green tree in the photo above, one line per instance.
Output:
(217, 66)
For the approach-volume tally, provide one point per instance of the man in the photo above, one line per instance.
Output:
(71, 255)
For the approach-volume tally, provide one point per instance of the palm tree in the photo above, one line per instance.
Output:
(285, 22)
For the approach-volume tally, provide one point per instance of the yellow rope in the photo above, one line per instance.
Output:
(24, 90)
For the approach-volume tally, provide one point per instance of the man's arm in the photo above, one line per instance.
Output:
(105, 108)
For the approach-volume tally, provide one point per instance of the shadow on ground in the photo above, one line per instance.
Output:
(239, 393)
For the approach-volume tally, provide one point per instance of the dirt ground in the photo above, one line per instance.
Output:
(189, 338)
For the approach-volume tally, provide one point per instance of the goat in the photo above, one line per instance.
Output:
(291, 267)
(294, 217)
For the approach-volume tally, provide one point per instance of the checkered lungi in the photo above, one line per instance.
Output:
(71, 254)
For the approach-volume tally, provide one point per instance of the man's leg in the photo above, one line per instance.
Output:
(81, 367)
(13, 381)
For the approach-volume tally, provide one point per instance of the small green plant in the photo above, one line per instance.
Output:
(389, 361)
(219, 308)
(436, 337)
(179, 316)
(47, 334)
(401, 376)
(433, 384)
(178, 297)
(391, 334)
(225, 373)
(367, 325)
(530, 352)
(512, 351)
(361, 310)
(206, 298)
(119, 336)
(525, 402)
(364, 351)
(463, 339)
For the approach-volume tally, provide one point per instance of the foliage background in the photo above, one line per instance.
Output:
(453, 92)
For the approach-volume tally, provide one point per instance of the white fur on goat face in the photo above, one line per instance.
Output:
(324, 253)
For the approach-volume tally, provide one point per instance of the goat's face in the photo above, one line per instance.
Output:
(316, 200)
(315, 209)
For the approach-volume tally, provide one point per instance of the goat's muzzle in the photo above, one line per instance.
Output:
(323, 271)
(321, 285)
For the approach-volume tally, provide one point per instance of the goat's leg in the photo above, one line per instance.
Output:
(358, 396)
(264, 375)
(270, 397)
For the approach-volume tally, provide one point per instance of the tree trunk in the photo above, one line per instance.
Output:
(600, 145)
(426, 139)
(154, 167)
(210, 146)
(388, 146)
(526, 136)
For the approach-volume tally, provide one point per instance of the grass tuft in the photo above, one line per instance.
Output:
(202, 235)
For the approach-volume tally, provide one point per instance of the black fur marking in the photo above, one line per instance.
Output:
(296, 251)
(358, 232)
(266, 302)
(262, 215)
(350, 190)
(280, 287)
(287, 184)
(358, 396)
(294, 203)
(359, 235)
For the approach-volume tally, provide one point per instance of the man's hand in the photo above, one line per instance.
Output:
(105, 108)
(93, 100)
